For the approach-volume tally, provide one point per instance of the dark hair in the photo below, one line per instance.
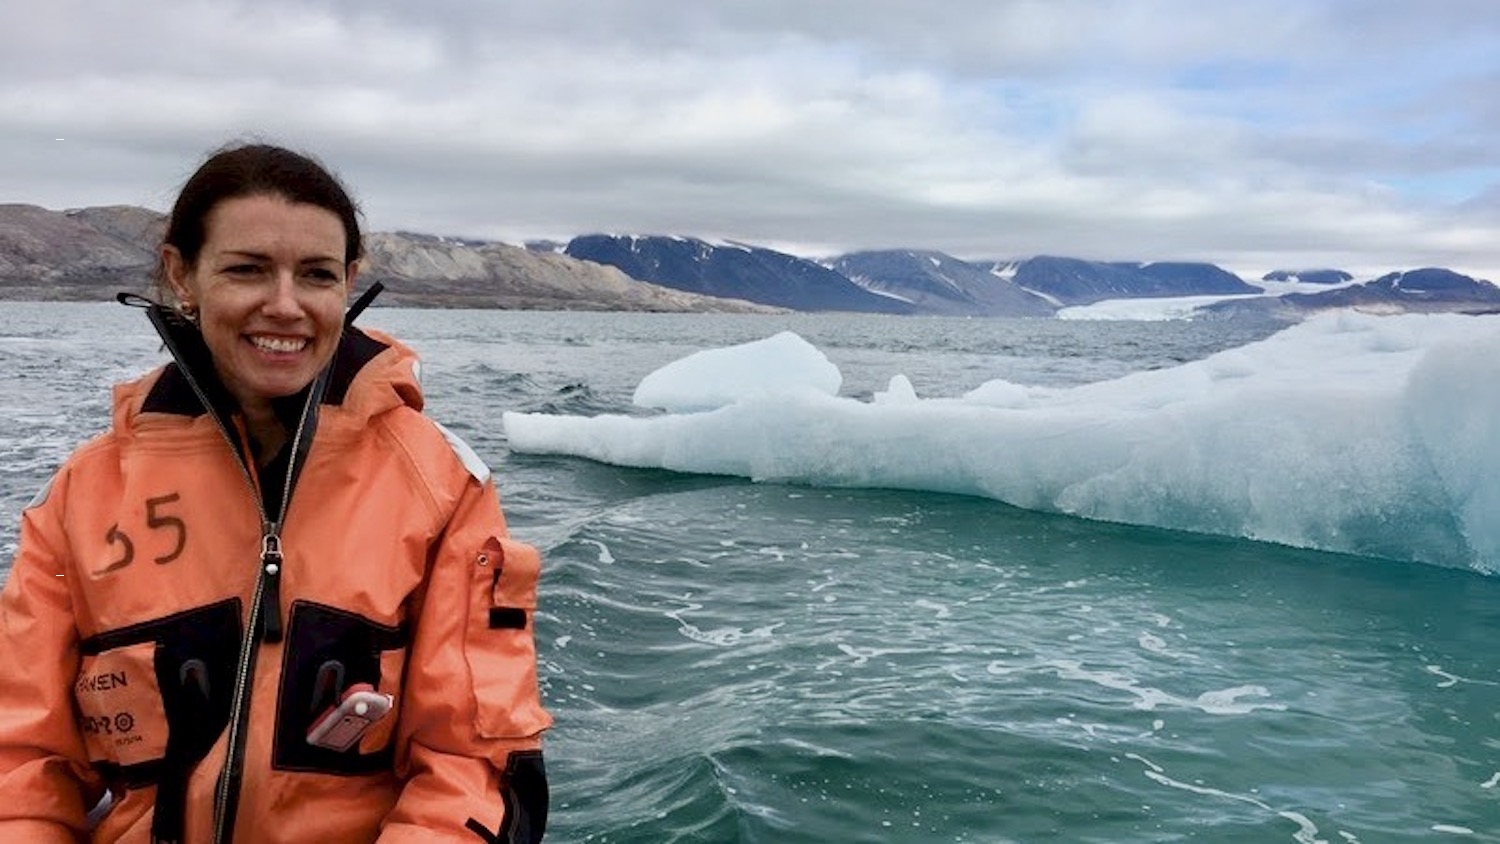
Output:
(241, 170)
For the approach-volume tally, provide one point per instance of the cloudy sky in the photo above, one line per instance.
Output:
(1257, 134)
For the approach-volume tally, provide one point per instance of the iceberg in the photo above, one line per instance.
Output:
(1353, 433)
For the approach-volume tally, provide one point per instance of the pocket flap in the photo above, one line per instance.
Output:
(121, 713)
(499, 646)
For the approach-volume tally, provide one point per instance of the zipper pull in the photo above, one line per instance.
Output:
(270, 575)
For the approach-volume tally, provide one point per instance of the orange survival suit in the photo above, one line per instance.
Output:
(175, 622)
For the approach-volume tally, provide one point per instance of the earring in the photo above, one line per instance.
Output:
(189, 311)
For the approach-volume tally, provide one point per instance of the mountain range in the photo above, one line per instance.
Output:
(91, 253)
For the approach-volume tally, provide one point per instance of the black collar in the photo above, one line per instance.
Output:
(173, 393)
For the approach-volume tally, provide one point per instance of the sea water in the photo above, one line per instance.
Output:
(735, 661)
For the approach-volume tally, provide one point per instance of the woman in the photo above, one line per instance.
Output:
(274, 602)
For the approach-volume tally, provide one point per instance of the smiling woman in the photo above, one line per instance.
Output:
(275, 588)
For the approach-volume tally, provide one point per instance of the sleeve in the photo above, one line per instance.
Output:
(471, 718)
(46, 783)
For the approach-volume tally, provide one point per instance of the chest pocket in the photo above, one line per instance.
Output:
(328, 650)
(152, 697)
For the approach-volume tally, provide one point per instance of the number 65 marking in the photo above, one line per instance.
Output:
(156, 519)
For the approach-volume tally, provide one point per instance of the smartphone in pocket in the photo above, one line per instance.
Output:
(342, 724)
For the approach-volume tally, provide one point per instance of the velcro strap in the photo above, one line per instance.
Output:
(507, 618)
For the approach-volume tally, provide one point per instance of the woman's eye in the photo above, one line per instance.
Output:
(321, 275)
(241, 269)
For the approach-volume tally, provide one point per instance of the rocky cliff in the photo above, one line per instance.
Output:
(83, 254)
(422, 270)
(941, 284)
(735, 269)
(92, 253)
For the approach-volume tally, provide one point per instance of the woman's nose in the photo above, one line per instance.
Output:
(282, 299)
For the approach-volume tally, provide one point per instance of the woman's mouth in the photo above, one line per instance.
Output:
(279, 345)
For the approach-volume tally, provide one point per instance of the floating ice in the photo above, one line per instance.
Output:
(717, 377)
(1348, 432)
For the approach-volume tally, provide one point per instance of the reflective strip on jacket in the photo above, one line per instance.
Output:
(123, 617)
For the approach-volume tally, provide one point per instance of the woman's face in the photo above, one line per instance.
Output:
(270, 286)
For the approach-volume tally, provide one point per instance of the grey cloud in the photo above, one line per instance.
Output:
(1102, 128)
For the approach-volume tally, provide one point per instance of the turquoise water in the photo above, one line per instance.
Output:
(731, 661)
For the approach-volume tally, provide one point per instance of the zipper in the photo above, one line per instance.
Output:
(227, 793)
(270, 540)
(270, 571)
(263, 623)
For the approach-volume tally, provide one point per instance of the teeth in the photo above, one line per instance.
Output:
(279, 344)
